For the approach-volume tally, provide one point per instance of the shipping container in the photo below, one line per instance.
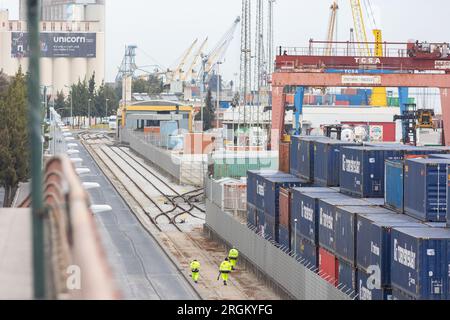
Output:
(167, 129)
(448, 196)
(285, 207)
(284, 237)
(373, 239)
(236, 164)
(305, 209)
(368, 289)
(271, 193)
(270, 228)
(284, 157)
(327, 218)
(328, 266)
(346, 229)
(346, 276)
(307, 251)
(394, 188)
(420, 261)
(302, 156)
(443, 156)
(261, 221)
(399, 295)
(253, 177)
(198, 143)
(426, 189)
(362, 172)
(327, 162)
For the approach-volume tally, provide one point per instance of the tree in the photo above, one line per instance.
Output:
(208, 113)
(14, 144)
(60, 103)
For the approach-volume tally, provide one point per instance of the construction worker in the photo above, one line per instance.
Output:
(233, 256)
(225, 270)
(195, 269)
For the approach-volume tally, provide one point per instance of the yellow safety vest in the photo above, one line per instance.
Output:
(234, 254)
(225, 267)
(195, 266)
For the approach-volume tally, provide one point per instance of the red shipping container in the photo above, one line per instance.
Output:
(285, 157)
(285, 207)
(350, 91)
(198, 143)
(328, 266)
(342, 103)
(290, 99)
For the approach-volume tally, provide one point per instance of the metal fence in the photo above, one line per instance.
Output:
(289, 273)
(186, 169)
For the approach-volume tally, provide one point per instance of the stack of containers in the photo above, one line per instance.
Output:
(305, 221)
(425, 184)
(394, 186)
(328, 230)
(373, 238)
(346, 240)
(327, 161)
(420, 260)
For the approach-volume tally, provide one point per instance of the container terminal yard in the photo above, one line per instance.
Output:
(320, 172)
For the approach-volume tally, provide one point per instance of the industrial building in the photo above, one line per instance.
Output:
(72, 41)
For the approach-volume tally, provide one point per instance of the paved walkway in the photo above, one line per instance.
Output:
(16, 278)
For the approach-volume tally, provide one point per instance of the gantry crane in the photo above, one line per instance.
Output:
(177, 73)
(190, 71)
(379, 96)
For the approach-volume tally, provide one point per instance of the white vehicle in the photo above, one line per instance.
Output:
(113, 123)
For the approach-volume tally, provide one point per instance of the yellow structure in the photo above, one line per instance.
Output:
(149, 114)
(379, 95)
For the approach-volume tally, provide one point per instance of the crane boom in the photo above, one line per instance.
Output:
(360, 28)
(179, 70)
(332, 27)
(190, 70)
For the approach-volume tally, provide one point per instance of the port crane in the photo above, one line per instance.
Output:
(190, 71)
(177, 73)
(217, 54)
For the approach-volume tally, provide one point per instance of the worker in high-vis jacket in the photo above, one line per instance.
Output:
(195, 269)
(225, 270)
(233, 257)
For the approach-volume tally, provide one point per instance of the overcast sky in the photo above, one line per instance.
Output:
(163, 30)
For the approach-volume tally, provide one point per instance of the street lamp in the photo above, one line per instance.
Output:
(106, 100)
(89, 113)
(218, 92)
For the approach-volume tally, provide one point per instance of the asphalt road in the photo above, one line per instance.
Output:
(142, 269)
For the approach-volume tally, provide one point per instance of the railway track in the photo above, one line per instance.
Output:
(151, 186)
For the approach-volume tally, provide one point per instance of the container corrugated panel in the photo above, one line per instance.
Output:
(426, 189)
(346, 275)
(284, 160)
(251, 216)
(261, 221)
(399, 295)
(327, 162)
(293, 155)
(362, 172)
(440, 156)
(394, 188)
(306, 250)
(420, 261)
(366, 289)
(373, 239)
(327, 218)
(272, 192)
(305, 209)
(328, 266)
(448, 196)
(285, 207)
(305, 161)
(284, 237)
(237, 167)
(346, 229)
(270, 228)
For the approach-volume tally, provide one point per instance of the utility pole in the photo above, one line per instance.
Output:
(89, 113)
(106, 105)
(218, 92)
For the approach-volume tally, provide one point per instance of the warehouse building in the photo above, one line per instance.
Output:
(72, 42)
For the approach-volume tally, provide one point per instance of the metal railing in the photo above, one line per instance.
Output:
(292, 274)
(76, 266)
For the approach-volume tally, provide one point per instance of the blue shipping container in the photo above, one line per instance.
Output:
(284, 237)
(373, 238)
(394, 188)
(346, 276)
(271, 195)
(448, 196)
(362, 172)
(255, 186)
(305, 208)
(368, 289)
(306, 251)
(270, 228)
(251, 216)
(302, 156)
(327, 157)
(327, 219)
(260, 221)
(440, 156)
(346, 229)
(426, 189)
(420, 261)
(399, 295)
